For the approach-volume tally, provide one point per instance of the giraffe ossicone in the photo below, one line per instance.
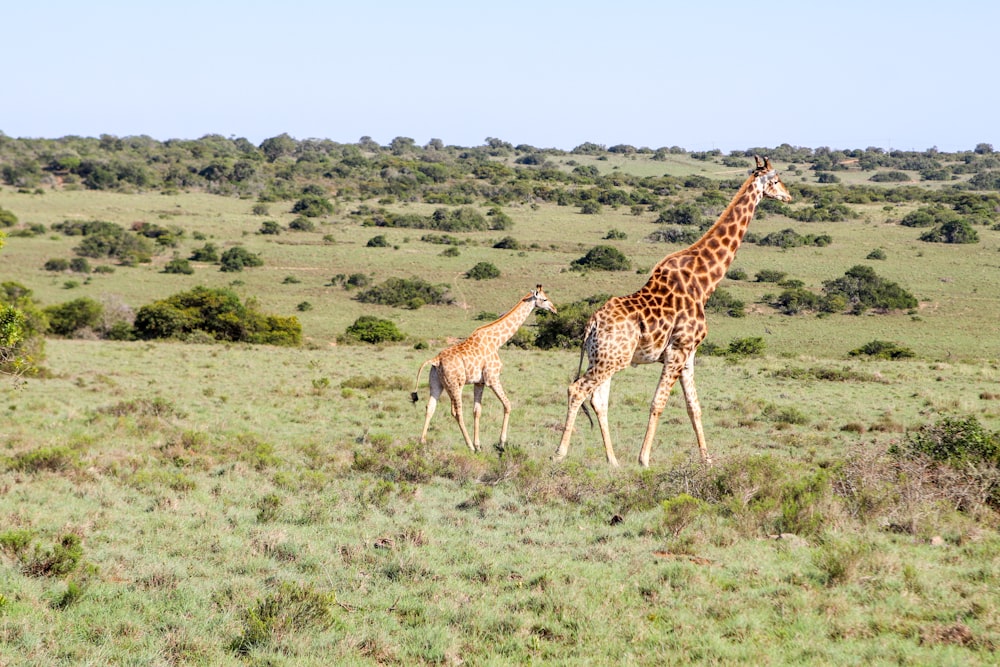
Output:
(665, 320)
(476, 361)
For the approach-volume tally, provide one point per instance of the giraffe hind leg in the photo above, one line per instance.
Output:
(694, 408)
(435, 393)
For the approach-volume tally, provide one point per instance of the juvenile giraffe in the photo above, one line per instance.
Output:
(665, 320)
(476, 361)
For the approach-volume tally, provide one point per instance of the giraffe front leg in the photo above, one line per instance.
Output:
(477, 410)
(694, 408)
(502, 395)
(667, 379)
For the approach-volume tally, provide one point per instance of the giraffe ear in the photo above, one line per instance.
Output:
(760, 163)
(767, 163)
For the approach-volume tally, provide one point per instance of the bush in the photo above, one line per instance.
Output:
(955, 231)
(302, 224)
(953, 440)
(723, 302)
(881, 349)
(411, 293)
(58, 264)
(508, 243)
(877, 253)
(7, 218)
(674, 235)
(67, 318)
(377, 242)
(483, 271)
(269, 227)
(178, 265)
(769, 276)
(374, 330)
(683, 214)
(746, 347)
(217, 312)
(238, 257)
(863, 289)
(313, 206)
(293, 608)
(206, 253)
(565, 329)
(615, 235)
(602, 258)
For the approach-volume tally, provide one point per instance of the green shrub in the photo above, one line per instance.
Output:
(508, 243)
(375, 330)
(746, 347)
(952, 440)
(615, 235)
(217, 312)
(411, 293)
(602, 258)
(293, 608)
(69, 317)
(313, 206)
(379, 241)
(302, 224)
(863, 289)
(674, 235)
(877, 253)
(565, 329)
(680, 511)
(57, 264)
(882, 349)
(723, 302)
(955, 231)
(7, 218)
(59, 560)
(269, 227)
(483, 271)
(237, 258)
(178, 265)
(206, 253)
(770, 276)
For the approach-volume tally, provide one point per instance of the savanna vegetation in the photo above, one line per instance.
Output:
(209, 455)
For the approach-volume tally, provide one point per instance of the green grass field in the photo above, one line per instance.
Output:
(167, 503)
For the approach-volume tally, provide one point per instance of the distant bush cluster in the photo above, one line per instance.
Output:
(860, 289)
(217, 314)
(405, 292)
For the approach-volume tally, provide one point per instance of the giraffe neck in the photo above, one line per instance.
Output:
(716, 249)
(503, 329)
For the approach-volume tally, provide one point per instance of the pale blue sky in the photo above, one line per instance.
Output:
(700, 75)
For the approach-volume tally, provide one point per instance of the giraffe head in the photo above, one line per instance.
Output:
(539, 300)
(769, 180)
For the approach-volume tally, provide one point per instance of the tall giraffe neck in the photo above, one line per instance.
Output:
(503, 329)
(716, 249)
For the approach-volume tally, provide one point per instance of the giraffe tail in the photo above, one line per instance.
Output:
(414, 396)
(579, 371)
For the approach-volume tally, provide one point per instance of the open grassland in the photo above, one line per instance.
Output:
(166, 503)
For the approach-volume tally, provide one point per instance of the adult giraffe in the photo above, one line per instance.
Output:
(665, 320)
(476, 361)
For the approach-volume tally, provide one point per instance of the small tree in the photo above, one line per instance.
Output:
(238, 257)
(67, 318)
(374, 330)
(483, 271)
(602, 258)
(954, 231)
(178, 265)
(270, 227)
